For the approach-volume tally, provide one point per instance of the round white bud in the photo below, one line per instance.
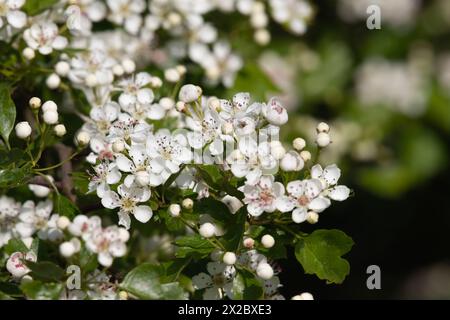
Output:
(40, 191)
(258, 19)
(267, 241)
(299, 144)
(262, 37)
(323, 139)
(264, 271)
(292, 162)
(60, 130)
(303, 296)
(188, 203)
(142, 178)
(249, 243)
(189, 93)
(67, 249)
(62, 68)
(34, 103)
(312, 217)
(172, 75)
(214, 103)
(181, 69)
(207, 230)
(118, 146)
(155, 82)
(323, 127)
(180, 106)
(83, 138)
(167, 103)
(305, 155)
(49, 106)
(128, 65)
(28, 53)
(174, 210)
(229, 258)
(118, 70)
(50, 117)
(91, 80)
(63, 222)
(23, 130)
(53, 81)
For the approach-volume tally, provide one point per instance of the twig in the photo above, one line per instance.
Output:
(64, 153)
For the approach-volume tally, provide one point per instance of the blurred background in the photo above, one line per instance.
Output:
(386, 95)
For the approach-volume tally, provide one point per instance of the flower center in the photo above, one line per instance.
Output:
(303, 200)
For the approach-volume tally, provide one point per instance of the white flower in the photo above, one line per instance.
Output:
(263, 196)
(218, 282)
(9, 217)
(329, 178)
(108, 243)
(294, 14)
(128, 199)
(81, 14)
(92, 67)
(292, 161)
(253, 160)
(252, 259)
(82, 226)
(43, 36)
(167, 153)
(105, 174)
(303, 196)
(275, 113)
(141, 167)
(16, 265)
(9, 12)
(127, 13)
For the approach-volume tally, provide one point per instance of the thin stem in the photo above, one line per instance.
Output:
(61, 163)
(49, 181)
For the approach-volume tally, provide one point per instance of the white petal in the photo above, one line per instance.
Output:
(124, 219)
(212, 294)
(110, 200)
(124, 164)
(59, 43)
(16, 18)
(319, 204)
(117, 248)
(316, 171)
(295, 188)
(143, 213)
(339, 193)
(284, 204)
(239, 170)
(105, 259)
(215, 268)
(299, 215)
(331, 174)
(202, 281)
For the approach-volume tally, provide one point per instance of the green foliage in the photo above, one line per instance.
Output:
(45, 271)
(193, 246)
(247, 287)
(35, 7)
(15, 245)
(145, 283)
(7, 112)
(66, 207)
(321, 253)
(38, 290)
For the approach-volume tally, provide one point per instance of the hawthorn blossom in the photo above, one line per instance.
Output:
(329, 178)
(37, 217)
(82, 13)
(104, 175)
(218, 283)
(108, 243)
(44, 37)
(9, 217)
(126, 13)
(128, 199)
(263, 196)
(16, 265)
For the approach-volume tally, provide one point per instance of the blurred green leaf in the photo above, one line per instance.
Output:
(7, 112)
(15, 245)
(45, 271)
(194, 245)
(38, 290)
(66, 207)
(34, 7)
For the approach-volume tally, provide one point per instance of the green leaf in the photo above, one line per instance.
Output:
(15, 245)
(195, 246)
(4, 296)
(88, 260)
(246, 286)
(65, 207)
(235, 230)
(12, 178)
(320, 253)
(238, 287)
(45, 271)
(15, 156)
(38, 290)
(34, 7)
(215, 208)
(7, 112)
(144, 282)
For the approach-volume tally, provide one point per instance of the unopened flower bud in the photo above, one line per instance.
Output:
(189, 93)
(174, 210)
(264, 271)
(83, 138)
(60, 130)
(207, 230)
(128, 65)
(23, 130)
(312, 217)
(63, 222)
(62, 68)
(118, 70)
(188, 204)
(49, 106)
(303, 296)
(50, 117)
(67, 249)
(34, 103)
(167, 103)
(323, 127)
(267, 241)
(28, 53)
(172, 75)
(229, 258)
(249, 243)
(323, 139)
(299, 144)
(305, 155)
